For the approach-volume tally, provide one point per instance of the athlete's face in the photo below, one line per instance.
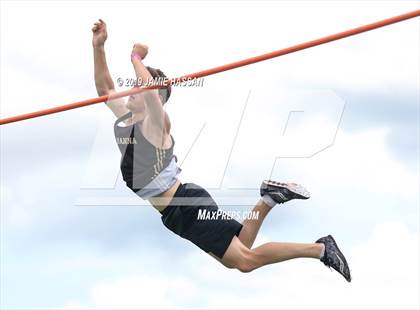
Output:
(136, 103)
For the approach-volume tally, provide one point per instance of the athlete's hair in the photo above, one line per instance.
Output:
(160, 77)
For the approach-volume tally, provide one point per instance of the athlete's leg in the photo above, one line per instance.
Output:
(251, 227)
(277, 192)
(239, 255)
(244, 259)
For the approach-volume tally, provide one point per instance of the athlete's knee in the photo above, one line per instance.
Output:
(229, 266)
(245, 267)
(247, 261)
(240, 257)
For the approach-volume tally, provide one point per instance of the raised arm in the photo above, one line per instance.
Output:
(156, 113)
(103, 81)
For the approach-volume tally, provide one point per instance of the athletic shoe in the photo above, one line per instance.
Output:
(282, 192)
(334, 258)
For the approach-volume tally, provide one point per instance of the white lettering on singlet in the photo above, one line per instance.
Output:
(128, 140)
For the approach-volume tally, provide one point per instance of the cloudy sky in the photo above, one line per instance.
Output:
(342, 119)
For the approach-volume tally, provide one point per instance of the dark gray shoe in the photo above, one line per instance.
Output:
(282, 192)
(334, 258)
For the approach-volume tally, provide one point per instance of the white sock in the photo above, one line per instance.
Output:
(322, 251)
(268, 200)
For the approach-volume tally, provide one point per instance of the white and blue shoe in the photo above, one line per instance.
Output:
(281, 192)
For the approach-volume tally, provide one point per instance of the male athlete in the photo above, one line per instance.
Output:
(150, 170)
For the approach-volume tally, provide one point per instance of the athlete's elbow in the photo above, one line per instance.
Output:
(103, 91)
(151, 97)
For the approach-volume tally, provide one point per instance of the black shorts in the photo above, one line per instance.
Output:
(181, 216)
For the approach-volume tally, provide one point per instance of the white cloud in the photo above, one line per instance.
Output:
(384, 266)
(361, 161)
(140, 292)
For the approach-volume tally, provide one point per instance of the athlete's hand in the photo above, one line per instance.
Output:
(99, 33)
(140, 49)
